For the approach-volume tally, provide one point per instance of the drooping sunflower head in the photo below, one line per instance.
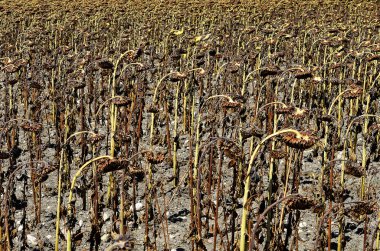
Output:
(304, 140)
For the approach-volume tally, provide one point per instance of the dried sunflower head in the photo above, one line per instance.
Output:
(177, 76)
(95, 138)
(354, 169)
(77, 84)
(302, 141)
(269, 71)
(231, 104)
(105, 64)
(326, 118)
(201, 72)
(4, 155)
(300, 203)
(136, 172)
(231, 150)
(36, 85)
(154, 158)
(373, 58)
(234, 67)
(299, 113)
(153, 109)
(31, 127)
(374, 128)
(6, 61)
(360, 209)
(11, 68)
(252, 131)
(121, 101)
(44, 173)
(112, 165)
(285, 109)
(355, 91)
(12, 82)
(303, 74)
(20, 62)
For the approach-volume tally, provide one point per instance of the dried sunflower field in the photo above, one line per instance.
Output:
(189, 125)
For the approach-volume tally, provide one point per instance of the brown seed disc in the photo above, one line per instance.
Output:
(153, 109)
(105, 64)
(303, 74)
(373, 58)
(154, 158)
(357, 211)
(11, 68)
(326, 118)
(354, 169)
(4, 155)
(136, 172)
(31, 127)
(12, 82)
(269, 71)
(95, 138)
(112, 165)
(373, 128)
(302, 142)
(121, 101)
(231, 104)
(20, 62)
(77, 85)
(354, 92)
(284, 110)
(35, 85)
(44, 173)
(300, 203)
(299, 113)
(177, 76)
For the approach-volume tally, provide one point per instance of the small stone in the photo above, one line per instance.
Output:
(302, 224)
(105, 237)
(172, 236)
(139, 207)
(183, 218)
(303, 238)
(31, 240)
(106, 216)
(286, 221)
(334, 234)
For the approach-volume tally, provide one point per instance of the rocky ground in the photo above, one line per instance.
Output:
(176, 209)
